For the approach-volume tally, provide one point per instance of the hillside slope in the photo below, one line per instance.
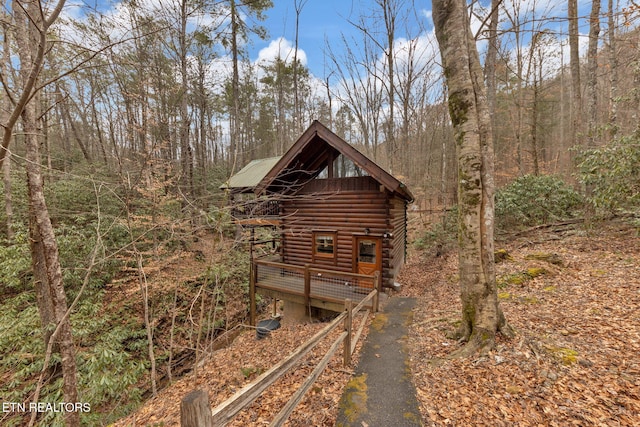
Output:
(572, 298)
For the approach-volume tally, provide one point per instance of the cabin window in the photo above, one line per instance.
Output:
(343, 167)
(324, 244)
(367, 251)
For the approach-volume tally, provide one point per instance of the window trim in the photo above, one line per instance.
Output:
(316, 255)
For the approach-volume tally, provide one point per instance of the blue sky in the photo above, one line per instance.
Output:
(324, 22)
(319, 19)
(321, 22)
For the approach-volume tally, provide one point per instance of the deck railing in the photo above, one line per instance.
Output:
(255, 209)
(311, 284)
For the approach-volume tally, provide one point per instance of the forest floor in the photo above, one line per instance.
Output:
(572, 297)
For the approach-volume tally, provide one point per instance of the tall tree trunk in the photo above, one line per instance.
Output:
(490, 62)
(537, 81)
(98, 126)
(31, 29)
(8, 200)
(5, 107)
(390, 14)
(46, 265)
(297, 110)
(482, 316)
(592, 66)
(613, 73)
(444, 185)
(186, 151)
(67, 120)
(574, 65)
(204, 157)
(235, 89)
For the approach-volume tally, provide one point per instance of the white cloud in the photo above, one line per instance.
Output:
(280, 48)
(72, 10)
(427, 14)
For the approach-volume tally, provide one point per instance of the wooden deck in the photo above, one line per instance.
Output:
(314, 287)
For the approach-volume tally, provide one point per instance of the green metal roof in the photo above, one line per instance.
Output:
(250, 175)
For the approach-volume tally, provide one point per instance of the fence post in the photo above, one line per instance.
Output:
(307, 286)
(348, 324)
(376, 284)
(253, 274)
(195, 410)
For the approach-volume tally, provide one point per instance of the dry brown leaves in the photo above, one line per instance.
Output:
(576, 357)
(230, 369)
(226, 371)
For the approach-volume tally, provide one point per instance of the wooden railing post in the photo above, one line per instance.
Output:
(307, 285)
(195, 410)
(348, 325)
(377, 284)
(253, 275)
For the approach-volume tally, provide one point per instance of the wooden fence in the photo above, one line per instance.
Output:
(195, 413)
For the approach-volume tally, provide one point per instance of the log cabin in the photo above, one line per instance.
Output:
(335, 211)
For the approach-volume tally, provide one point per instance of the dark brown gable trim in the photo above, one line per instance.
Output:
(317, 128)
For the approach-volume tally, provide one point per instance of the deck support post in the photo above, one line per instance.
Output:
(253, 273)
(377, 284)
(348, 325)
(252, 281)
(307, 288)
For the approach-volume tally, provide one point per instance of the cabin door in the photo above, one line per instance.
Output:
(368, 254)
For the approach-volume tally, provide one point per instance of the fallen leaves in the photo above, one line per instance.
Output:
(575, 360)
(229, 369)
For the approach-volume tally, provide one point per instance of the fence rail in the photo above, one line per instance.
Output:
(255, 208)
(228, 409)
(312, 286)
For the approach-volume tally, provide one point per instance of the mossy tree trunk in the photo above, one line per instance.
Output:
(5, 106)
(51, 296)
(468, 108)
(31, 31)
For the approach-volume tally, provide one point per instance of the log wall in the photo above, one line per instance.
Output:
(348, 207)
(398, 219)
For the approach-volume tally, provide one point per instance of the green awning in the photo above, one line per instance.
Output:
(249, 176)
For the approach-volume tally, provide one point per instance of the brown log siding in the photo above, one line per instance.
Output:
(346, 206)
(398, 224)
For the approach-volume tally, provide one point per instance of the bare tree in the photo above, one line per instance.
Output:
(491, 59)
(415, 82)
(482, 316)
(518, 17)
(186, 150)
(592, 68)
(239, 31)
(574, 65)
(32, 22)
(613, 73)
(359, 88)
(234, 117)
(390, 10)
(5, 107)
(297, 119)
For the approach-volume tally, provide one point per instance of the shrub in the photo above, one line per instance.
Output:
(612, 173)
(533, 200)
(15, 262)
(441, 236)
